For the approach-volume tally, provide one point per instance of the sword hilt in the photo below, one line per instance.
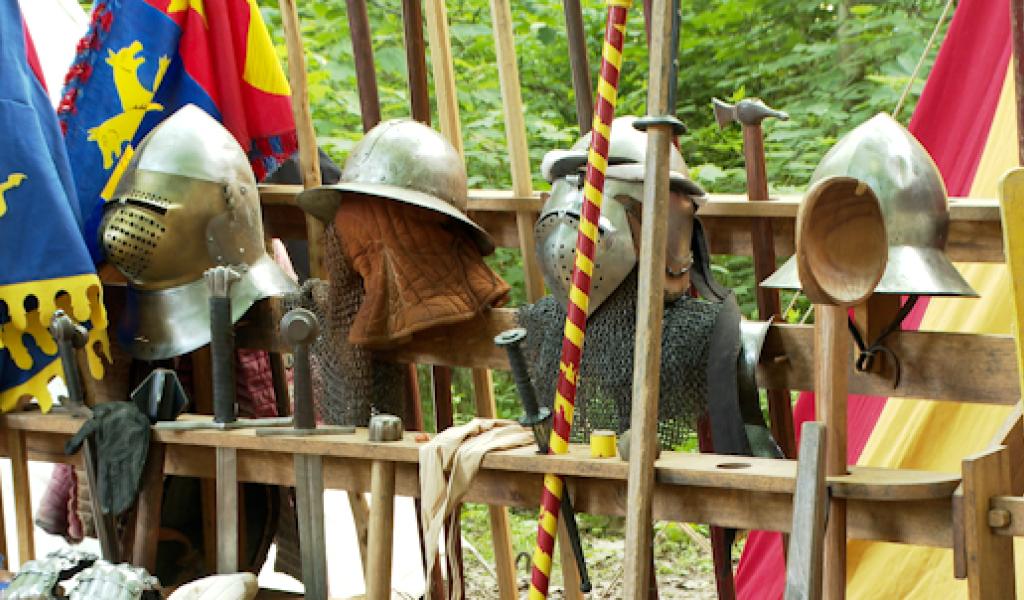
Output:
(222, 342)
(69, 337)
(299, 327)
(534, 416)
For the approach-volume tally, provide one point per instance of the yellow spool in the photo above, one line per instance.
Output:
(602, 443)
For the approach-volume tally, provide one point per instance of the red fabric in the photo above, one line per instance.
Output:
(952, 121)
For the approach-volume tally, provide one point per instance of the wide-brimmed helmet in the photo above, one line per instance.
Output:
(187, 202)
(912, 196)
(404, 161)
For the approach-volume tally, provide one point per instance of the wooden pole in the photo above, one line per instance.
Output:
(832, 348)
(444, 72)
(3, 532)
(990, 568)
(309, 156)
(362, 51)
(803, 564)
(150, 504)
(1017, 29)
(580, 65)
(650, 310)
(515, 131)
(416, 60)
(382, 512)
(22, 497)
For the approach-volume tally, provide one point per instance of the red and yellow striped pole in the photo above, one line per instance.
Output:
(579, 295)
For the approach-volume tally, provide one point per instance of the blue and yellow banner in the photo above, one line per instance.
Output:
(141, 60)
(44, 263)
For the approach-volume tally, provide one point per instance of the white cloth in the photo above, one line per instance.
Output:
(460, 450)
(239, 586)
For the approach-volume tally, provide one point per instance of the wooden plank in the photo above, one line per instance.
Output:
(362, 52)
(515, 132)
(5, 564)
(501, 531)
(436, 16)
(148, 510)
(22, 497)
(806, 542)
(989, 556)
(416, 60)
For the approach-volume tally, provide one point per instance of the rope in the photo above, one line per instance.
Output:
(920, 61)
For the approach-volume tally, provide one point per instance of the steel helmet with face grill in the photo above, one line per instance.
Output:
(187, 202)
(615, 255)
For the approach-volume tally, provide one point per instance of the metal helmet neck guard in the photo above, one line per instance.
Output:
(404, 161)
(912, 196)
(187, 202)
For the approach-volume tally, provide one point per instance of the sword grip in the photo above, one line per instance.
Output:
(299, 327)
(222, 350)
(511, 341)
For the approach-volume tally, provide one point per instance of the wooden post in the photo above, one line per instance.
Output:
(22, 497)
(416, 60)
(1011, 206)
(989, 556)
(362, 51)
(832, 348)
(150, 504)
(806, 540)
(382, 512)
(578, 61)
(1017, 33)
(650, 310)
(3, 532)
(444, 72)
(309, 156)
(515, 131)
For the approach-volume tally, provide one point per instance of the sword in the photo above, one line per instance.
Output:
(71, 336)
(538, 418)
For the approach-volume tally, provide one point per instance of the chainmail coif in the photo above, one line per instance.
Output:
(605, 390)
(348, 383)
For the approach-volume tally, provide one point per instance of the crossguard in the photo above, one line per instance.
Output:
(64, 329)
(220, 279)
(299, 327)
(746, 112)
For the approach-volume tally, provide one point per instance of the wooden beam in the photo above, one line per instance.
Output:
(22, 497)
(989, 556)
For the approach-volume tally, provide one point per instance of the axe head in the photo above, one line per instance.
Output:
(725, 113)
(161, 396)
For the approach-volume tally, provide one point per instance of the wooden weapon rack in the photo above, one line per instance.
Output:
(976, 512)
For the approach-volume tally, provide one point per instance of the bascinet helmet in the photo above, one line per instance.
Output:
(187, 202)
(405, 161)
(557, 227)
(912, 196)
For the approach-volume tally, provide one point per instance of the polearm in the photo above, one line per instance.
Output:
(579, 64)
(579, 295)
(661, 126)
(362, 52)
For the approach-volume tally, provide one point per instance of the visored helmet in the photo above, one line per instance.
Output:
(627, 153)
(187, 202)
(404, 161)
(913, 199)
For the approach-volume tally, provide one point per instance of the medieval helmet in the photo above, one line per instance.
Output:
(187, 202)
(404, 161)
(557, 226)
(912, 195)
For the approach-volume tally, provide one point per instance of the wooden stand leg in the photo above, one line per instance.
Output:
(3, 532)
(22, 496)
(501, 532)
(989, 556)
(804, 561)
(382, 509)
(721, 555)
(150, 505)
(570, 572)
(227, 510)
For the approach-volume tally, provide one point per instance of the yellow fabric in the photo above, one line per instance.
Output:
(35, 387)
(924, 434)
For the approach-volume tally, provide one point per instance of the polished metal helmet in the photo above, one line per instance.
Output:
(627, 153)
(405, 161)
(557, 228)
(187, 202)
(913, 199)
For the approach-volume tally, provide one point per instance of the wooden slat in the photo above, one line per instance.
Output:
(18, 453)
(689, 487)
(975, 233)
(989, 556)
